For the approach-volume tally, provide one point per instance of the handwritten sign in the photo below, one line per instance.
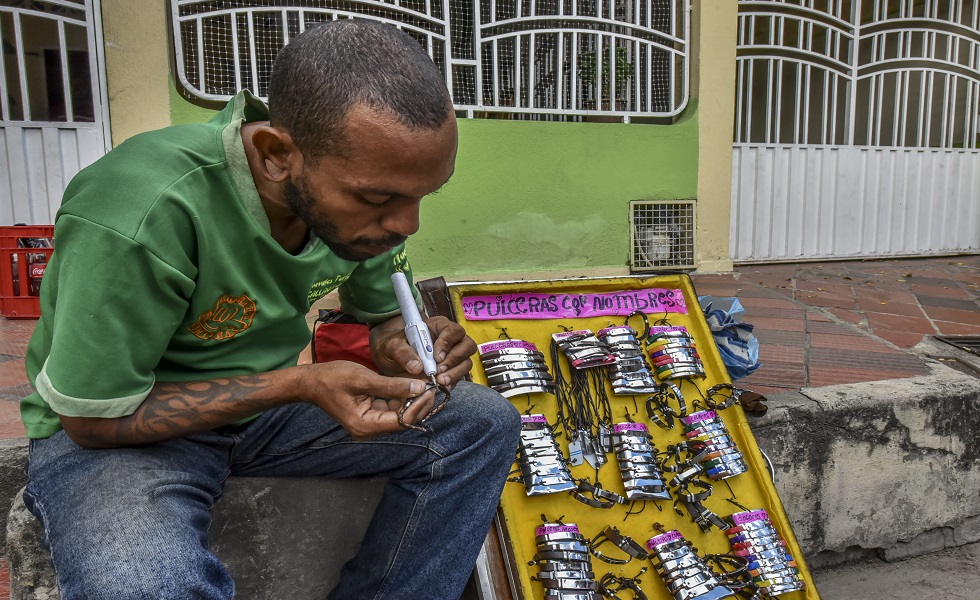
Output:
(697, 417)
(666, 538)
(624, 427)
(534, 419)
(748, 517)
(530, 305)
(550, 529)
(495, 346)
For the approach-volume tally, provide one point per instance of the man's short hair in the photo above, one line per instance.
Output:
(328, 69)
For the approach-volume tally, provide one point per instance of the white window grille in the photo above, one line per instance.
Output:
(884, 73)
(46, 71)
(542, 59)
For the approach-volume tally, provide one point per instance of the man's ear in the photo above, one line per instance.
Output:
(279, 158)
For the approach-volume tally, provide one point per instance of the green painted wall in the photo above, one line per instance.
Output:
(530, 196)
(182, 111)
(540, 197)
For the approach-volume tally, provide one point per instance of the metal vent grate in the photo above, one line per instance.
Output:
(970, 343)
(662, 235)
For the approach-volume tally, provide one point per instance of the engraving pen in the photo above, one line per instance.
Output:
(416, 330)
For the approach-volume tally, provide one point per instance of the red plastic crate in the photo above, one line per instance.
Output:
(18, 267)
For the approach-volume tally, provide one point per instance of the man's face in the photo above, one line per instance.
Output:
(366, 202)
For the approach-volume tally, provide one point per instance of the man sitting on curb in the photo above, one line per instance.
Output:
(174, 308)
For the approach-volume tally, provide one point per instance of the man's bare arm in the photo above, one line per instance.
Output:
(346, 391)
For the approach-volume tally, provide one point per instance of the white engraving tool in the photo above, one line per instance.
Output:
(416, 330)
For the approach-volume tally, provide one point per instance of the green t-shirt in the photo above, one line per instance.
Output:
(165, 270)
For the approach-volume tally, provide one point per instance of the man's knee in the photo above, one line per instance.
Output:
(483, 417)
(126, 523)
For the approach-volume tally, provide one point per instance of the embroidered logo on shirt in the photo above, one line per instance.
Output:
(229, 317)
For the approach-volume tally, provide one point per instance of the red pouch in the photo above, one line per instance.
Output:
(338, 336)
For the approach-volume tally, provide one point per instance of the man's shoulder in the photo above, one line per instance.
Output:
(164, 153)
(150, 172)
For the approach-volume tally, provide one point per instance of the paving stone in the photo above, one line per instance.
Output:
(778, 374)
(848, 342)
(832, 328)
(953, 291)
(759, 303)
(876, 295)
(899, 323)
(902, 339)
(827, 300)
(769, 337)
(818, 317)
(895, 361)
(830, 286)
(946, 302)
(758, 291)
(764, 323)
(892, 308)
(772, 352)
(847, 315)
(947, 328)
(824, 375)
(967, 317)
(753, 312)
(12, 372)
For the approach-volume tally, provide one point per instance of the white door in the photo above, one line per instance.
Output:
(857, 130)
(53, 115)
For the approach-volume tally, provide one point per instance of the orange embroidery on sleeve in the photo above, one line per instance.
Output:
(229, 317)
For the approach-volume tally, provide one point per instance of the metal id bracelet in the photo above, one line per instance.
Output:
(688, 559)
(703, 578)
(567, 595)
(538, 368)
(563, 556)
(761, 533)
(638, 445)
(508, 359)
(568, 536)
(705, 592)
(570, 584)
(783, 588)
(561, 565)
(542, 575)
(518, 348)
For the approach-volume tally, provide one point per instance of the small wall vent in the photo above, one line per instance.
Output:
(662, 235)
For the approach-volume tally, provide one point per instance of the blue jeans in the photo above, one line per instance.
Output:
(133, 522)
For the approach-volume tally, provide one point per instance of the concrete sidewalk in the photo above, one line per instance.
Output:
(952, 574)
(831, 323)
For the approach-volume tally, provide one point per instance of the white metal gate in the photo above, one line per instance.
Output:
(52, 106)
(857, 129)
(541, 59)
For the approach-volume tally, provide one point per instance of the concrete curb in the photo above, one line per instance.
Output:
(279, 537)
(890, 466)
(13, 477)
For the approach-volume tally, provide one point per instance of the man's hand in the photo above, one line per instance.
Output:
(452, 350)
(365, 403)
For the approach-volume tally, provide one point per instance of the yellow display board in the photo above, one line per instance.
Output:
(521, 515)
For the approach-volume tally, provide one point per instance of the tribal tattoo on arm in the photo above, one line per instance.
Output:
(175, 409)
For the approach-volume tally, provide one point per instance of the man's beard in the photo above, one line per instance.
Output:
(301, 203)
